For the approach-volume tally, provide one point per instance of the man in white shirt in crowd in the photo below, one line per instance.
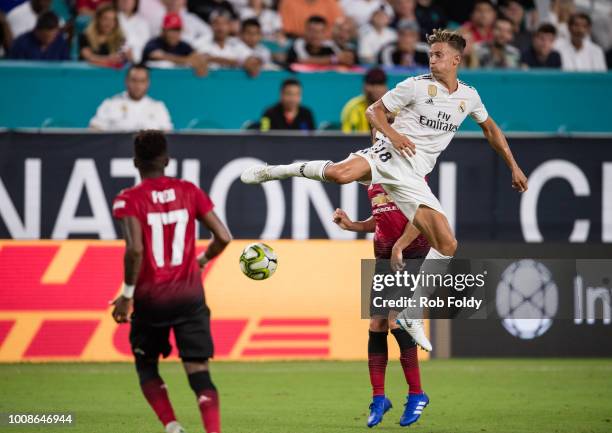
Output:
(154, 12)
(22, 18)
(374, 36)
(132, 110)
(251, 35)
(225, 51)
(134, 27)
(579, 53)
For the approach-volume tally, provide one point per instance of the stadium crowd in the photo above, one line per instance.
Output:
(299, 35)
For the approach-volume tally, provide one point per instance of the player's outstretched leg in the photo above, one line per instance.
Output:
(154, 390)
(434, 226)
(377, 365)
(206, 394)
(349, 170)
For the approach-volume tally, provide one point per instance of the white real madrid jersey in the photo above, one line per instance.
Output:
(429, 116)
(122, 113)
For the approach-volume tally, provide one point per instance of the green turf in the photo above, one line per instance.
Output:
(325, 397)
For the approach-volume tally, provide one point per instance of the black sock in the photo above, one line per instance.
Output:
(404, 340)
(200, 381)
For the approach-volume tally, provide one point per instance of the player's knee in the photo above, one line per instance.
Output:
(147, 369)
(338, 173)
(200, 381)
(379, 325)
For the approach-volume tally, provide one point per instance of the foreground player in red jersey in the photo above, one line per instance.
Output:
(395, 240)
(163, 283)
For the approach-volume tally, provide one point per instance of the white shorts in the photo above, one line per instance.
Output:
(396, 174)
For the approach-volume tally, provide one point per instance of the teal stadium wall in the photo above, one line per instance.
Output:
(66, 96)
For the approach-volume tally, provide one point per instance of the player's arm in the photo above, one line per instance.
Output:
(498, 141)
(378, 116)
(132, 260)
(221, 237)
(345, 223)
(408, 236)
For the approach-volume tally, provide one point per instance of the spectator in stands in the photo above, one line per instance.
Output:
(480, 26)
(361, 10)
(133, 26)
(558, 15)
(407, 52)
(169, 50)
(251, 36)
(6, 38)
(374, 36)
(498, 53)
(296, 13)
(344, 35)
(193, 30)
(429, 16)
(45, 42)
(288, 113)
(225, 51)
(89, 7)
(204, 9)
(269, 20)
(579, 53)
(541, 54)
(353, 116)
(132, 110)
(314, 49)
(405, 12)
(102, 42)
(514, 11)
(22, 18)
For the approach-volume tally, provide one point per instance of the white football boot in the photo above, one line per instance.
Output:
(415, 328)
(257, 174)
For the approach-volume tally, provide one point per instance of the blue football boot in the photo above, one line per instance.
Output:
(415, 404)
(379, 406)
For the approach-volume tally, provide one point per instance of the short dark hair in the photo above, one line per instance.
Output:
(290, 82)
(477, 2)
(454, 39)
(149, 145)
(579, 15)
(375, 75)
(138, 66)
(547, 28)
(250, 22)
(316, 19)
(47, 21)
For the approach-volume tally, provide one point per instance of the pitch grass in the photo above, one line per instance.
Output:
(542, 395)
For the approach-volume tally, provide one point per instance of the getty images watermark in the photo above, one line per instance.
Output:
(538, 290)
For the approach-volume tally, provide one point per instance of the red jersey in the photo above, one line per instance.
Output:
(169, 282)
(390, 224)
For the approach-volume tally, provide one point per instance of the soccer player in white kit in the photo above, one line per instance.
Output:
(429, 110)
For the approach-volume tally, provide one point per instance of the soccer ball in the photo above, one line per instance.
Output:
(258, 261)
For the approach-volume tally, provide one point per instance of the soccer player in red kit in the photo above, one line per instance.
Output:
(395, 240)
(163, 283)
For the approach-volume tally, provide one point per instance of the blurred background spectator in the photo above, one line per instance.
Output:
(498, 53)
(295, 13)
(103, 42)
(482, 19)
(353, 117)
(315, 49)
(134, 27)
(375, 35)
(407, 52)
(168, 50)
(45, 42)
(542, 54)
(288, 113)
(361, 10)
(579, 53)
(194, 28)
(22, 18)
(88, 7)
(6, 38)
(404, 12)
(132, 110)
(344, 37)
(223, 50)
(430, 16)
(514, 11)
(269, 20)
(204, 9)
(558, 13)
(251, 35)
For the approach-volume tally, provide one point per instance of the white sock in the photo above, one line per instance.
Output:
(435, 254)
(312, 170)
(435, 263)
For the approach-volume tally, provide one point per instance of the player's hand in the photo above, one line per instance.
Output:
(122, 309)
(342, 219)
(397, 260)
(403, 145)
(519, 180)
(202, 260)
